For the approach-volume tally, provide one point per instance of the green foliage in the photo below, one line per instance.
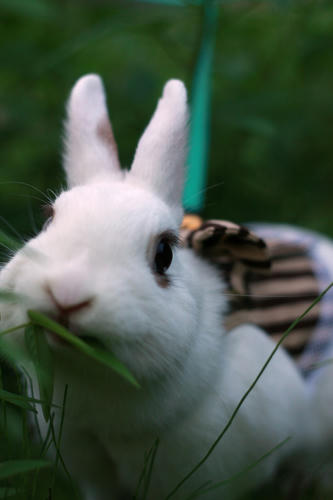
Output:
(272, 112)
(95, 352)
(21, 452)
(13, 467)
(18, 400)
(41, 355)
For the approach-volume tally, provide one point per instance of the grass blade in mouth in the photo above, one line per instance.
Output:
(100, 355)
(92, 341)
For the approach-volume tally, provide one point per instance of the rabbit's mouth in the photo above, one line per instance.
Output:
(86, 337)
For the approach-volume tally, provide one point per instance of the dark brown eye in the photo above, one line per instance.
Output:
(48, 212)
(163, 256)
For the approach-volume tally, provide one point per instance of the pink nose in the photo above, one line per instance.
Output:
(64, 306)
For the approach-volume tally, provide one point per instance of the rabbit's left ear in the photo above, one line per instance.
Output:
(160, 157)
(90, 148)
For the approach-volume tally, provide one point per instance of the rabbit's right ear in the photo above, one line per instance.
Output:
(160, 157)
(90, 148)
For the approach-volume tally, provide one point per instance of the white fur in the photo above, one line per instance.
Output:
(163, 147)
(100, 247)
(86, 155)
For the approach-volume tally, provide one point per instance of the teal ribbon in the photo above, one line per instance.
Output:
(197, 161)
(194, 193)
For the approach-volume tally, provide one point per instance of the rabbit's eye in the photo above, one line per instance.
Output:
(163, 256)
(48, 212)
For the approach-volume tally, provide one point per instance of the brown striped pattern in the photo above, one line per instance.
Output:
(270, 283)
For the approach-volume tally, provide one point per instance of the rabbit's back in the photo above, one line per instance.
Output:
(273, 274)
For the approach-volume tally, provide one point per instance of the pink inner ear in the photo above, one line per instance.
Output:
(105, 134)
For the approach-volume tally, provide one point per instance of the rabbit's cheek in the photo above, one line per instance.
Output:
(10, 273)
(12, 313)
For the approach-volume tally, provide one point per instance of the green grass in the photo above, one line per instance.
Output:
(272, 109)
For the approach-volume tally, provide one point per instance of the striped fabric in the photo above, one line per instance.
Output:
(273, 274)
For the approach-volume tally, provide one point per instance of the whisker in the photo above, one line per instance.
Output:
(203, 191)
(26, 184)
(10, 251)
(53, 194)
(32, 219)
(11, 227)
(30, 197)
(211, 204)
(213, 186)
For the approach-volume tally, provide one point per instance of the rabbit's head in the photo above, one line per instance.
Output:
(107, 262)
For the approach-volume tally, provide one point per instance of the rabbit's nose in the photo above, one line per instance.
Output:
(66, 302)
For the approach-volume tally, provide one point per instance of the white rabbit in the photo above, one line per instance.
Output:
(108, 264)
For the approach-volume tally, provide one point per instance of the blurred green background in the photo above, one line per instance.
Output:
(271, 155)
(272, 101)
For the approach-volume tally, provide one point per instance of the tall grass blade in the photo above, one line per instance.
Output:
(143, 474)
(14, 329)
(104, 357)
(240, 474)
(254, 383)
(41, 355)
(60, 458)
(18, 400)
(34, 401)
(25, 440)
(46, 442)
(146, 473)
(151, 461)
(13, 354)
(199, 490)
(12, 468)
(59, 435)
